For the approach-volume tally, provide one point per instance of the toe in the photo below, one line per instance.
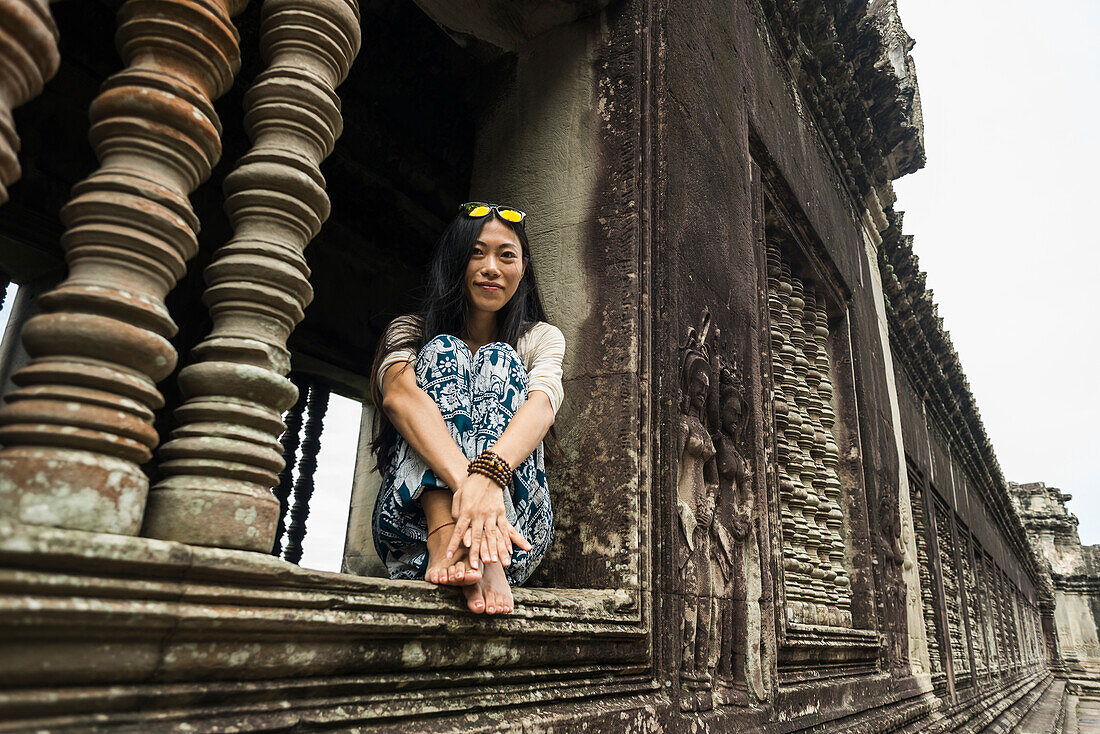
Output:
(475, 598)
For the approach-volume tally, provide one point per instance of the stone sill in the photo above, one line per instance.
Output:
(846, 642)
(85, 608)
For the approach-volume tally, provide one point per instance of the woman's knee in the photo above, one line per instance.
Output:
(442, 355)
(503, 358)
(444, 343)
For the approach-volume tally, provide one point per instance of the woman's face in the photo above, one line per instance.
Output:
(495, 267)
(700, 386)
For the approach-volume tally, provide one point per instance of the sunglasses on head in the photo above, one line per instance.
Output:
(479, 209)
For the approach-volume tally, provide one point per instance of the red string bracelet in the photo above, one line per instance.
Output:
(440, 528)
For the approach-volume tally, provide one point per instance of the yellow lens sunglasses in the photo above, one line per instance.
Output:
(478, 209)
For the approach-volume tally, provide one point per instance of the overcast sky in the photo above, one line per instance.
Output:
(1001, 217)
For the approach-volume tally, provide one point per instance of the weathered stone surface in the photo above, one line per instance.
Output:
(1075, 573)
(107, 610)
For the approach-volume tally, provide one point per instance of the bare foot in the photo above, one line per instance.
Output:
(453, 572)
(492, 594)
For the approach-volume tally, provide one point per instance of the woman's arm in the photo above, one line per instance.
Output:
(526, 430)
(417, 418)
(478, 504)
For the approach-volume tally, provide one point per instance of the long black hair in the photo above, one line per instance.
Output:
(444, 310)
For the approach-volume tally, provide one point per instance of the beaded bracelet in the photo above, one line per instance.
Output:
(488, 469)
(491, 465)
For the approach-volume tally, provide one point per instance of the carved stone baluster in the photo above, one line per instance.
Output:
(959, 657)
(28, 59)
(307, 467)
(80, 424)
(804, 503)
(997, 605)
(221, 463)
(832, 518)
(788, 423)
(791, 492)
(973, 609)
(812, 443)
(289, 441)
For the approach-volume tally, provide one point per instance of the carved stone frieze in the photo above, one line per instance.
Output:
(80, 425)
(955, 632)
(927, 586)
(221, 463)
(28, 47)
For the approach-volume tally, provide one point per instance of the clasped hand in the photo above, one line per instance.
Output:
(481, 523)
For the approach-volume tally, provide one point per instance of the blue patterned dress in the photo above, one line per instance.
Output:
(477, 395)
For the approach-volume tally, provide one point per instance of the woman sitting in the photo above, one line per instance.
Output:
(468, 388)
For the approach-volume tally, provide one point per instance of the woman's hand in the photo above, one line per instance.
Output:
(481, 523)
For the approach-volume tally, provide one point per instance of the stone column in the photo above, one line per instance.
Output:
(28, 50)
(221, 463)
(80, 425)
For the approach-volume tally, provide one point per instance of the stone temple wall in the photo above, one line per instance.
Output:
(1074, 570)
(776, 507)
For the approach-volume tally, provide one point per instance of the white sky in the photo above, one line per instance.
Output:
(1011, 96)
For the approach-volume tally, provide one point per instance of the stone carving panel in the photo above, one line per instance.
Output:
(927, 583)
(719, 548)
(816, 564)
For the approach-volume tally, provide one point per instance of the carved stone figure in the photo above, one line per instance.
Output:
(733, 528)
(696, 489)
(719, 553)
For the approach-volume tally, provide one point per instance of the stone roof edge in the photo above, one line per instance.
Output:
(851, 61)
(918, 336)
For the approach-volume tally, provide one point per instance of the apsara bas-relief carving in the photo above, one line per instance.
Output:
(719, 549)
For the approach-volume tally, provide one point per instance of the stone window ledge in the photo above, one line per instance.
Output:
(80, 608)
(814, 652)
